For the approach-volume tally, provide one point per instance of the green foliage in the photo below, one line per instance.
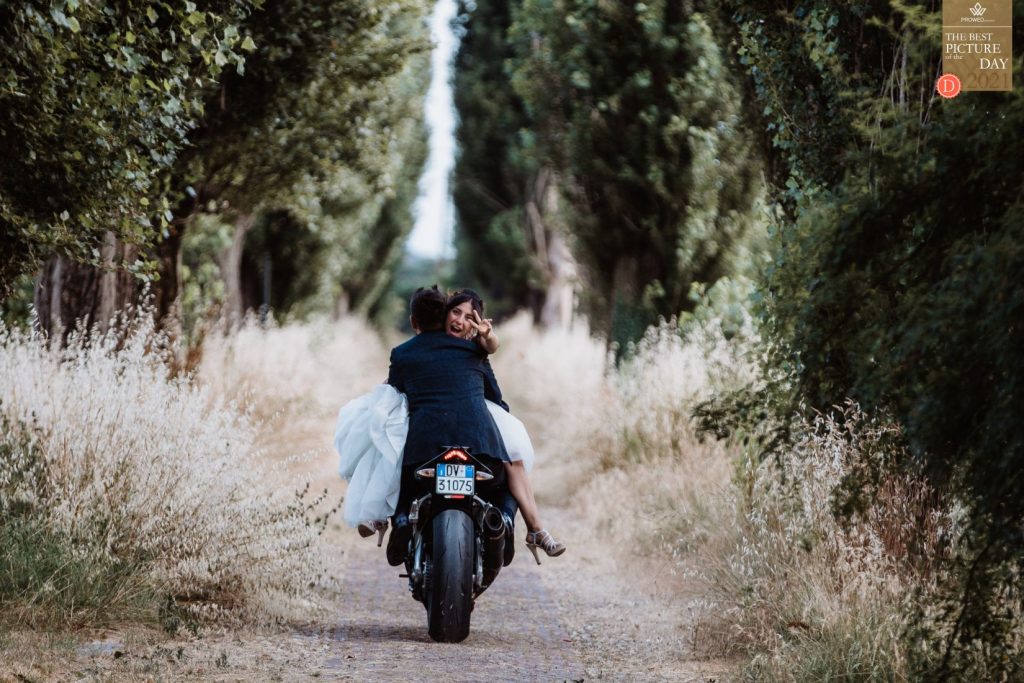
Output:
(97, 100)
(202, 291)
(303, 108)
(16, 308)
(133, 119)
(640, 112)
(495, 164)
(896, 277)
(367, 216)
(322, 139)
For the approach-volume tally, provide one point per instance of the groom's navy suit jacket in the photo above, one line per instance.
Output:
(446, 380)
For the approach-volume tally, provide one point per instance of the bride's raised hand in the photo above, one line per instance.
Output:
(483, 326)
(485, 331)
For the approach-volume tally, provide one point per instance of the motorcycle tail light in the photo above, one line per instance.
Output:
(427, 472)
(456, 454)
(484, 476)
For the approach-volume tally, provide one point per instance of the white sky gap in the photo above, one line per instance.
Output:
(434, 211)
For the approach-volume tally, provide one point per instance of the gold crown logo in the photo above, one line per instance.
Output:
(977, 10)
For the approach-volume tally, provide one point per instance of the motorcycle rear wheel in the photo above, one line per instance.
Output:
(450, 598)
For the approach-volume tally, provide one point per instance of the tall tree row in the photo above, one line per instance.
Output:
(332, 193)
(896, 225)
(629, 115)
(896, 277)
(96, 103)
(512, 240)
(242, 111)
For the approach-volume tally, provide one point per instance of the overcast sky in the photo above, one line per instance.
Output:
(433, 211)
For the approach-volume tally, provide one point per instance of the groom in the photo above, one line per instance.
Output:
(446, 380)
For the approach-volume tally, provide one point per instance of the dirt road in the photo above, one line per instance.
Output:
(383, 637)
(567, 620)
(588, 615)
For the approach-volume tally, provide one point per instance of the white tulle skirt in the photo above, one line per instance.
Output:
(370, 437)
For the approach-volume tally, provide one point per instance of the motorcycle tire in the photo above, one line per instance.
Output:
(451, 591)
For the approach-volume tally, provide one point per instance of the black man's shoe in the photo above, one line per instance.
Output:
(398, 541)
(510, 541)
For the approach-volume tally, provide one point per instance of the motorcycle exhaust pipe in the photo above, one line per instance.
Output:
(492, 523)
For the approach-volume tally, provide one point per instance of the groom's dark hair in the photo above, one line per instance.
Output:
(427, 308)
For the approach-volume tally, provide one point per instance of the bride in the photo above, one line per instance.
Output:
(371, 432)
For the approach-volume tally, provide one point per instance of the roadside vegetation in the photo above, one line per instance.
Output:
(126, 494)
(792, 590)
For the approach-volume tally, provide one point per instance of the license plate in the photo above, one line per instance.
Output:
(456, 480)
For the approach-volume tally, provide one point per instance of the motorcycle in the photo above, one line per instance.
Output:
(458, 543)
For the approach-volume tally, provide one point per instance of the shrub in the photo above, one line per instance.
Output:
(45, 577)
(810, 594)
(789, 585)
(131, 473)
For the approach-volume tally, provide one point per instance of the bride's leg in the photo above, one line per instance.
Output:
(522, 491)
(520, 486)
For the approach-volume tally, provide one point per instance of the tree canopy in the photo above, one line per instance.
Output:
(897, 269)
(97, 101)
(123, 122)
(494, 167)
(635, 108)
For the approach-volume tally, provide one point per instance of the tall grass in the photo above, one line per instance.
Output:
(114, 475)
(290, 379)
(798, 593)
(553, 381)
(812, 595)
(128, 480)
(601, 429)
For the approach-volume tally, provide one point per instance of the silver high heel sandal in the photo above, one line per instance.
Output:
(373, 526)
(546, 542)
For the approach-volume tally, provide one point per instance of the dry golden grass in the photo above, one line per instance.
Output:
(806, 595)
(597, 426)
(155, 477)
(299, 371)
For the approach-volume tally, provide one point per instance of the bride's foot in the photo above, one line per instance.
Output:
(373, 526)
(546, 542)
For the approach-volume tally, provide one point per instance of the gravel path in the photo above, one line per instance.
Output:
(516, 635)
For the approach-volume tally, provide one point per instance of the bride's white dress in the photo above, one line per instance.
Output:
(370, 436)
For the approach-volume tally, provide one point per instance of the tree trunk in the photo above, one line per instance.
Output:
(230, 262)
(70, 294)
(555, 305)
(341, 305)
(166, 291)
(625, 319)
(560, 297)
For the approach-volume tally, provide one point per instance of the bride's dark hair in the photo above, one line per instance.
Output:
(461, 296)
